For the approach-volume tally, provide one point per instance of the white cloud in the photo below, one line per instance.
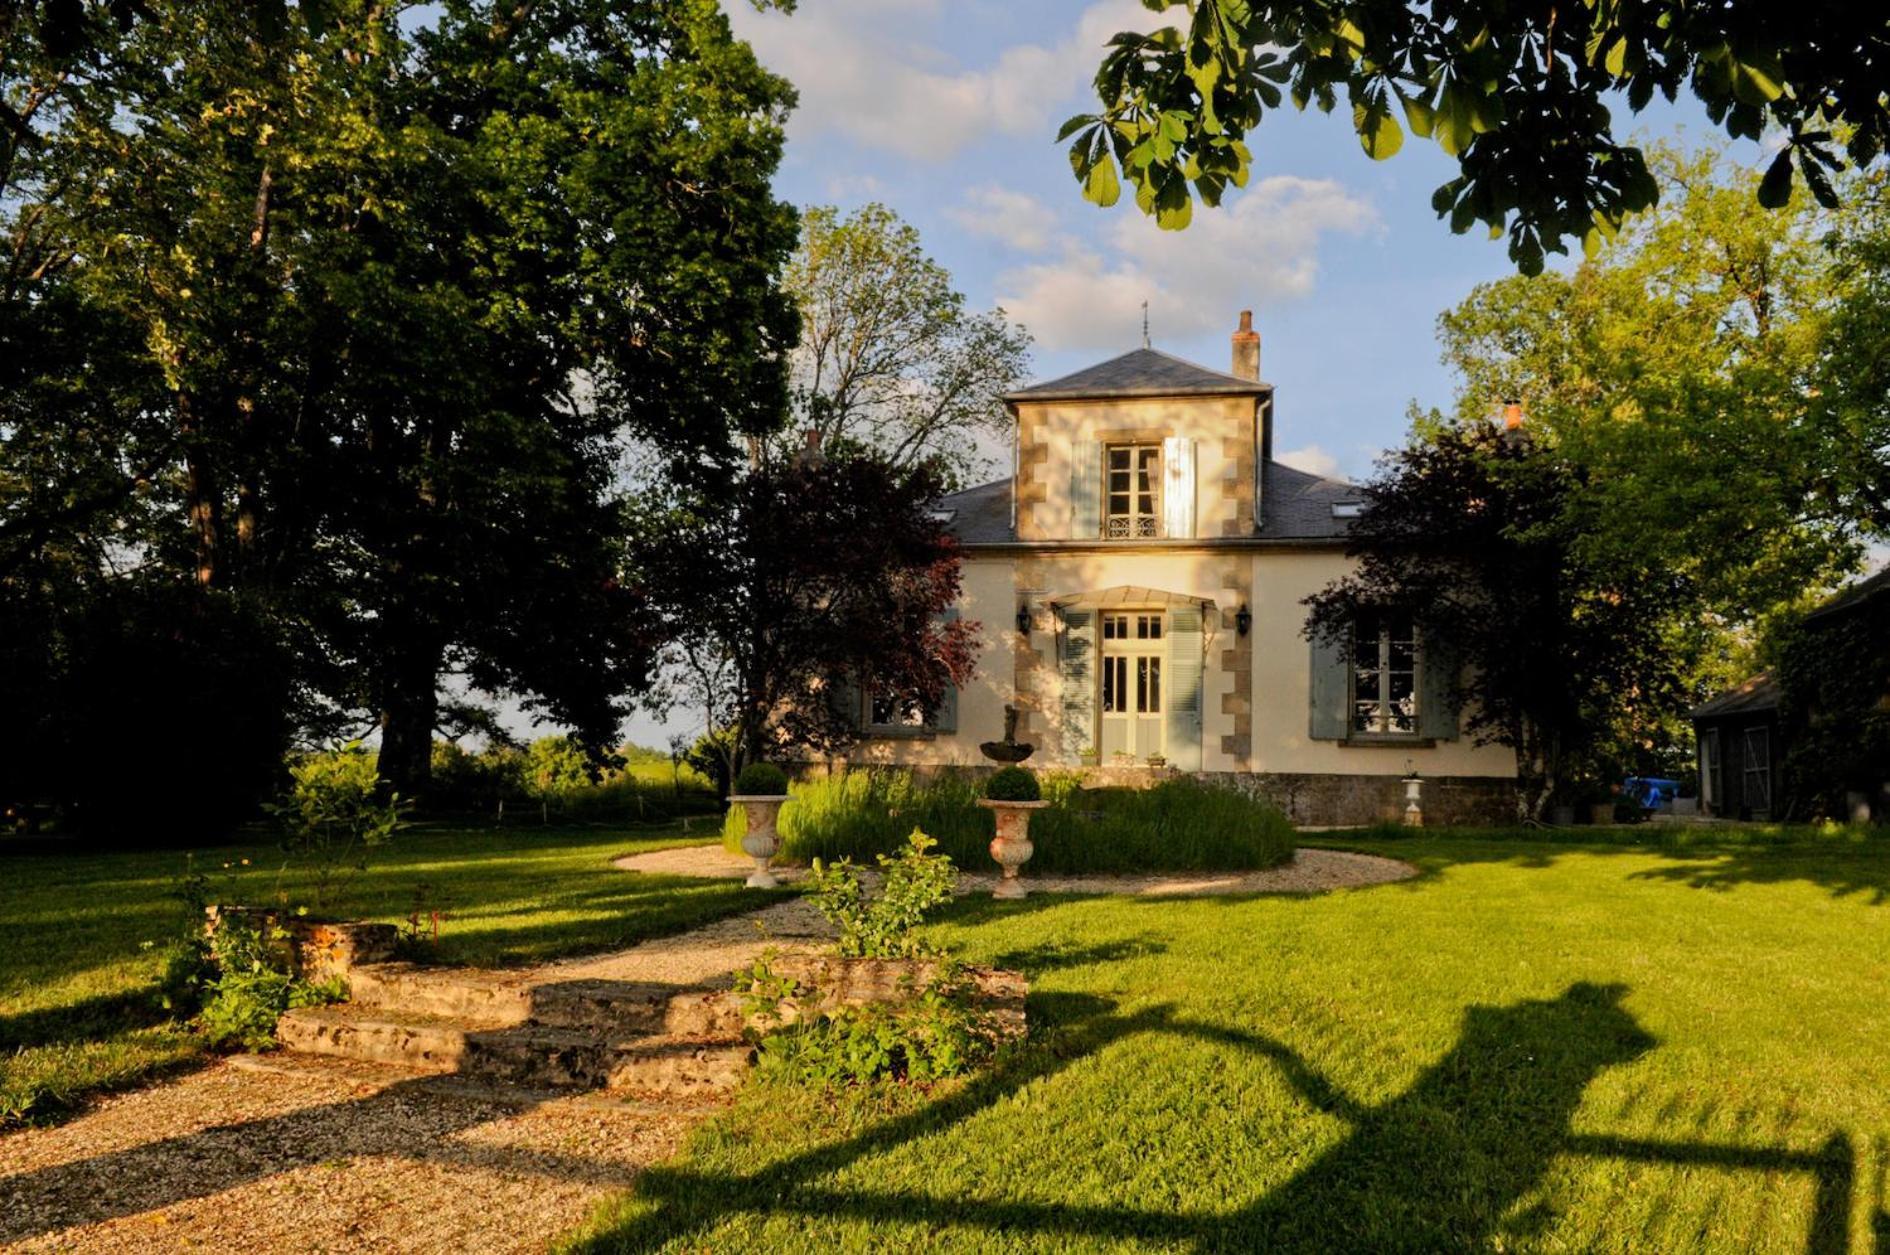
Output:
(1016, 219)
(855, 187)
(859, 71)
(1261, 246)
(1313, 460)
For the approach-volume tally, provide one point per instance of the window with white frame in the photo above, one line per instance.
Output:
(1384, 674)
(1132, 484)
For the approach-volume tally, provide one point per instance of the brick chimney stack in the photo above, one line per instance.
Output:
(1247, 348)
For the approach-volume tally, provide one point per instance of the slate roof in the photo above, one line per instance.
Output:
(1864, 590)
(1759, 693)
(1296, 506)
(1141, 373)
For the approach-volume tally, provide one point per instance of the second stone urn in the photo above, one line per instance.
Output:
(1011, 847)
(759, 842)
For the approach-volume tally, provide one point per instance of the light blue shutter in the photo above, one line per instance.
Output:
(1085, 489)
(1184, 685)
(1331, 687)
(1438, 665)
(945, 718)
(1079, 684)
(1178, 486)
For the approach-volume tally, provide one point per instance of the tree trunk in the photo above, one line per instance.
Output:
(410, 711)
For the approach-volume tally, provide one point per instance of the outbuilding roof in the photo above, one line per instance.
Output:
(1141, 373)
(1760, 693)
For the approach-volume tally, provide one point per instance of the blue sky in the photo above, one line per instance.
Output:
(946, 110)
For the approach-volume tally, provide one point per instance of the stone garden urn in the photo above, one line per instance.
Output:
(758, 842)
(1011, 847)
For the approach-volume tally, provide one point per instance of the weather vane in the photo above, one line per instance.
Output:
(1145, 343)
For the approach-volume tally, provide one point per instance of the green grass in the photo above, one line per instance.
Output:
(1634, 1040)
(78, 1012)
(1179, 825)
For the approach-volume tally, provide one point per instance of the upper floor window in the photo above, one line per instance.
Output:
(1132, 491)
(1384, 674)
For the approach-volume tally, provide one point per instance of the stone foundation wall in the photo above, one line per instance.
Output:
(1331, 801)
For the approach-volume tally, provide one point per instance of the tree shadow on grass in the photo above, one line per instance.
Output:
(1845, 864)
(1436, 1167)
(90, 1019)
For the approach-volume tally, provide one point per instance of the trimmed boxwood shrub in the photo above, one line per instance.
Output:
(765, 779)
(1013, 784)
(1178, 825)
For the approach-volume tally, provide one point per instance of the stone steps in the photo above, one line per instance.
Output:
(507, 1028)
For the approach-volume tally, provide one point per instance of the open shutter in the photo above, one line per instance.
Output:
(1078, 667)
(1185, 640)
(945, 718)
(1085, 489)
(1438, 664)
(1178, 486)
(1331, 687)
(848, 701)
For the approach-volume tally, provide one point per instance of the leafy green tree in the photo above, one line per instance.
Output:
(1473, 532)
(1518, 94)
(1681, 371)
(889, 357)
(396, 284)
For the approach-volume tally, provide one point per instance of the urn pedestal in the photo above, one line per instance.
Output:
(758, 842)
(1011, 847)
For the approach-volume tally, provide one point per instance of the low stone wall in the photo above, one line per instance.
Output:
(1335, 801)
(317, 949)
(832, 982)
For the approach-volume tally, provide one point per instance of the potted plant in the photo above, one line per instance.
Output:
(760, 789)
(1010, 795)
(1089, 756)
(1157, 761)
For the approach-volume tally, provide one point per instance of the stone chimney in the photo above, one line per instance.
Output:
(1246, 349)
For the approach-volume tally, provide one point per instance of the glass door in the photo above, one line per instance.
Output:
(1132, 651)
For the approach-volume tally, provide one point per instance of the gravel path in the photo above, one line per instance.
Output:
(1311, 871)
(309, 1154)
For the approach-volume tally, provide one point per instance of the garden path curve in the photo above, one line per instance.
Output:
(1310, 871)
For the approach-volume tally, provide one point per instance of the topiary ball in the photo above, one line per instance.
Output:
(1013, 784)
(762, 779)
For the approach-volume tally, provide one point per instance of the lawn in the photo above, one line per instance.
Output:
(1539, 1045)
(78, 1012)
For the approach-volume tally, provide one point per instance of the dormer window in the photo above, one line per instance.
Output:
(1132, 491)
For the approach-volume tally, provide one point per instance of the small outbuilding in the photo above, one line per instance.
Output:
(1828, 710)
(1737, 736)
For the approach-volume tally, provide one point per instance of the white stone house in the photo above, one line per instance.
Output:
(1138, 585)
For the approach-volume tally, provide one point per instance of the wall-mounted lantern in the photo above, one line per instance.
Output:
(1243, 619)
(1023, 618)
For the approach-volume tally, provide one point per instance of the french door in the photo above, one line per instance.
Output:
(1132, 651)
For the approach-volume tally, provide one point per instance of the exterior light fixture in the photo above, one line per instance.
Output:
(1243, 619)
(1023, 618)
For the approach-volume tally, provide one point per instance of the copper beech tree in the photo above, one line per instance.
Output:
(810, 584)
(1562, 660)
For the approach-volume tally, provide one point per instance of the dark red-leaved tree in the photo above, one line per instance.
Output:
(801, 586)
(1477, 534)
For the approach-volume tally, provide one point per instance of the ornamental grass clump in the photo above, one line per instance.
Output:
(1177, 825)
